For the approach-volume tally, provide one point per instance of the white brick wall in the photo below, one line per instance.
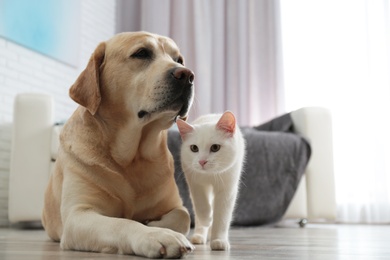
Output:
(23, 70)
(5, 141)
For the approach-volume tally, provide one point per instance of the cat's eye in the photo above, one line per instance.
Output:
(194, 148)
(215, 148)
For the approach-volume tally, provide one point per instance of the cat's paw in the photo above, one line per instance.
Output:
(220, 244)
(198, 239)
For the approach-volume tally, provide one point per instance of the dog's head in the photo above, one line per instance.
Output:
(139, 74)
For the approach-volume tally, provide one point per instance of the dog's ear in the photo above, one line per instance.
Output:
(86, 90)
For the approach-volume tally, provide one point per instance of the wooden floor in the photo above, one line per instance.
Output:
(320, 241)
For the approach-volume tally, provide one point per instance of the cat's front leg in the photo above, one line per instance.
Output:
(200, 232)
(223, 210)
(203, 213)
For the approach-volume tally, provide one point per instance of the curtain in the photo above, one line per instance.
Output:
(337, 55)
(234, 48)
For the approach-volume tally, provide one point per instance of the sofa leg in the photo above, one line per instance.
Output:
(302, 223)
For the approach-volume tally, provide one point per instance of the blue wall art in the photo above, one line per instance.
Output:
(51, 27)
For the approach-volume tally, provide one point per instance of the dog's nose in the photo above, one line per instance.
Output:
(184, 74)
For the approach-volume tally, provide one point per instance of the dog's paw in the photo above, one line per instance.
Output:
(220, 244)
(177, 220)
(163, 243)
(198, 239)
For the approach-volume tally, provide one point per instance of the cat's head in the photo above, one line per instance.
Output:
(209, 146)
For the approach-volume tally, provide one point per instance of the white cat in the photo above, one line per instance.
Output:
(212, 155)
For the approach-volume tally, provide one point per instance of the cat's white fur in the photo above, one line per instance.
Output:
(212, 177)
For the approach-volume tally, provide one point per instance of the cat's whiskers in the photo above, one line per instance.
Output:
(194, 106)
(241, 180)
(192, 173)
(180, 176)
(221, 180)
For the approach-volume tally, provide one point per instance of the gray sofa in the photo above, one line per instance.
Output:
(35, 141)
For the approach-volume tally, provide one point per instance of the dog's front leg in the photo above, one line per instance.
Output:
(87, 230)
(177, 219)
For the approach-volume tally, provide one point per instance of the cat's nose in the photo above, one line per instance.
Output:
(202, 162)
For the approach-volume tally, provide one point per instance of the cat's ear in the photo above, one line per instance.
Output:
(227, 123)
(184, 128)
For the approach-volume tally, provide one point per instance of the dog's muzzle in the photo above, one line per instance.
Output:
(177, 94)
(185, 81)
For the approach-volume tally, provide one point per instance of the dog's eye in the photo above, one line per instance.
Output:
(180, 60)
(142, 54)
(194, 148)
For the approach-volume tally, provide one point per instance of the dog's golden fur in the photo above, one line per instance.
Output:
(113, 189)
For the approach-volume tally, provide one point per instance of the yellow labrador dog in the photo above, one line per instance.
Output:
(113, 188)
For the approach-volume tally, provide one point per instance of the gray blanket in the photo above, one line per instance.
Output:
(275, 161)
